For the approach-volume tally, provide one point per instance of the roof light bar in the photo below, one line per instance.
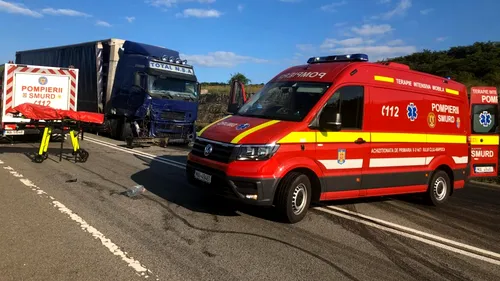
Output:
(338, 58)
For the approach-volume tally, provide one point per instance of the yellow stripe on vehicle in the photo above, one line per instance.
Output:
(451, 91)
(254, 129)
(341, 136)
(484, 140)
(395, 137)
(299, 137)
(211, 124)
(383, 79)
(378, 137)
(431, 138)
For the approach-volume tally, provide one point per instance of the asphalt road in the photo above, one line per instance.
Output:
(70, 221)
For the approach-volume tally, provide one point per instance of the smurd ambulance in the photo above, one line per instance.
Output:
(340, 127)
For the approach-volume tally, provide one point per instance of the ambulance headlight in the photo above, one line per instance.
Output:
(255, 152)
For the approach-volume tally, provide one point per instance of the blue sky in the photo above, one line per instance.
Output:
(258, 38)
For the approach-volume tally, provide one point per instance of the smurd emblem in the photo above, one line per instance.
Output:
(341, 156)
(208, 150)
(42, 80)
(242, 126)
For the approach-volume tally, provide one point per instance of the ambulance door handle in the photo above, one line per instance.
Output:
(359, 141)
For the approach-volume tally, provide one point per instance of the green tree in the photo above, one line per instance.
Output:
(239, 77)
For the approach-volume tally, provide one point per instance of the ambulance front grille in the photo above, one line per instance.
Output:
(220, 152)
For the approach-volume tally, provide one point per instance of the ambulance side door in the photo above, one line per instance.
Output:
(343, 151)
(484, 132)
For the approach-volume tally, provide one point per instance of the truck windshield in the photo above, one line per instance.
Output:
(172, 88)
(288, 101)
(484, 119)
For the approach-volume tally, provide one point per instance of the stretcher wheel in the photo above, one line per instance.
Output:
(39, 158)
(84, 155)
(45, 156)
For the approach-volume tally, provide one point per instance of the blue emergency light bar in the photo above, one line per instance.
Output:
(338, 58)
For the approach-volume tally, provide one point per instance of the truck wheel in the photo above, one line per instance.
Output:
(126, 131)
(293, 197)
(439, 188)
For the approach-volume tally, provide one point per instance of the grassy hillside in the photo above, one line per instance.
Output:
(474, 65)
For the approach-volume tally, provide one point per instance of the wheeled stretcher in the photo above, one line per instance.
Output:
(64, 120)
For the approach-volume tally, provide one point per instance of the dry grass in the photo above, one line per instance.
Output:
(213, 105)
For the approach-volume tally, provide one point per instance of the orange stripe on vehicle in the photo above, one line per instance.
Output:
(211, 124)
(254, 129)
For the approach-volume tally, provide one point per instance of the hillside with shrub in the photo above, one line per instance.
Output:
(474, 65)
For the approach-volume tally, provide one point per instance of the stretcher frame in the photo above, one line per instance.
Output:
(75, 129)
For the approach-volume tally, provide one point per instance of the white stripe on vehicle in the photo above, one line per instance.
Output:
(400, 162)
(461, 160)
(348, 164)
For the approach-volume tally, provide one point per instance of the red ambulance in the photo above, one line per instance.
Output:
(341, 127)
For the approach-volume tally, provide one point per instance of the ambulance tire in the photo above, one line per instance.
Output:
(439, 188)
(293, 197)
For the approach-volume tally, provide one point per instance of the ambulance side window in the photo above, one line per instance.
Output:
(349, 101)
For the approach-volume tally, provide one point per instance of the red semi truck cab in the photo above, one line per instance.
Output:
(341, 127)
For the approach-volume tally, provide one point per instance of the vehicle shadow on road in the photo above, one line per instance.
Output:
(30, 151)
(169, 182)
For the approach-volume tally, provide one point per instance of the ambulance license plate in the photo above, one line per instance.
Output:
(488, 169)
(202, 177)
(14, 132)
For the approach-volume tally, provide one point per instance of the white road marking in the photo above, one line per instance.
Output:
(153, 157)
(367, 220)
(106, 242)
(411, 236)
(417, 232)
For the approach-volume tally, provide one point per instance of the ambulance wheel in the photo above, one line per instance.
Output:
(293, 197)
(439, 188)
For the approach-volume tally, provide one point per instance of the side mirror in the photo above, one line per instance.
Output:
(233, 108)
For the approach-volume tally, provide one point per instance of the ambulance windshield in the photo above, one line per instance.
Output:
(484, 118)
(288, 101)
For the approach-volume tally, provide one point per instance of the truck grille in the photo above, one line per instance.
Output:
(173, 115)
(220, 153)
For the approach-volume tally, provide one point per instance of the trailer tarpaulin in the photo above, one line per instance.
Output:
(82, 57)
(40, 112)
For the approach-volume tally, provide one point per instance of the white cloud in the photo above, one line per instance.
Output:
(102, 23)
(64, 12)
(339, 24)
(200, 13)
(130, 19)
(13, 8)
(350, 42)
(441, 39)
(384, 1)
(171, 3)
(426, 11)
(221, 59)
(400, 9)
(240, 7)
(377, 52)
(332, 7)
(395, 42)
(305, 47)
(368, 29)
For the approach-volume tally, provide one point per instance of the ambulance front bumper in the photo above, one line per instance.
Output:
(252, 191)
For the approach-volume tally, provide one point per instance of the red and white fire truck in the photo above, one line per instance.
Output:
(341, 127)
(48, 86)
